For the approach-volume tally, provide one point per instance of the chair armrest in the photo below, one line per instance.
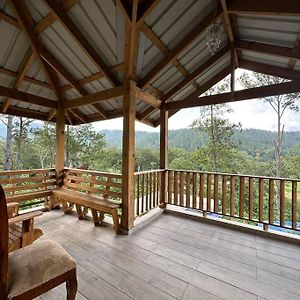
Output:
(24, 217)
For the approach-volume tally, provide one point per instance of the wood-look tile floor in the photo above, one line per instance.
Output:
(174, 258)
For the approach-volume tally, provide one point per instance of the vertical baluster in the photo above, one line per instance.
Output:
(201, 191)
(282, 202)
(271, 201)
(138, 195)
(208, 192)
(155, 189)
(170, 186)
(251, 197)
(147, 191)
(294, 204)
(261, 200)
(181, 188)
(232, 195)
(158, 177)
(194, 189)
(188, 189)
(143, 193)
(176, 188)
(150, 190)
(224, 194)
(242, 197)
(216, 193)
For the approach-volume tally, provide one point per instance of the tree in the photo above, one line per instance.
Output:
(279, 104)
(8, 157)
(219, 129)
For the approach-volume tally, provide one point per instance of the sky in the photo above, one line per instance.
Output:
(254, 113)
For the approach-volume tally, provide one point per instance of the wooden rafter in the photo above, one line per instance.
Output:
(26, 78)
(26, 97)
(264, 7)
(270, 70)
(147, 98)
(82, 40)
(150, 34)
(27, 113)
(8, 19)
(26, 24)
(144, 10)
(96, 97)
(28, 59)
(269, 49)
(201, 69)
(253, 93)
(184, 44)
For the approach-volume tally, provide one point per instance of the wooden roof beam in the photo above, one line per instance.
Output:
(8, 19)
(26, 78)
(23, 112)
(270, 70)
(28, 59)
(268, 49)
(205, 66)
(27, 97)
(147, 98)
(144, 10)
(96, 97)
(184, 44)
(26, 23)
(253, 93)
(265, 7)
(82, 41)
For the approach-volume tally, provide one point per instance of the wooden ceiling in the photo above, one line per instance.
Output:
(78, 53)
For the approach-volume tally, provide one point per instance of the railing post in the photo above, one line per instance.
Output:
(163, 153)
(60, 145)
(128, 157)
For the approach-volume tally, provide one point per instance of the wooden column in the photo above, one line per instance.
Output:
(60, 144)
(163, 152)
(128, 157)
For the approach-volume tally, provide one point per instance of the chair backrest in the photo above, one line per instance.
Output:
(3, 245)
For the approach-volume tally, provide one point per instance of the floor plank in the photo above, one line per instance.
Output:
(173, 258)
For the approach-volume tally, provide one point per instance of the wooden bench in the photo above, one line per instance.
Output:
(90, 190)
(26, 185)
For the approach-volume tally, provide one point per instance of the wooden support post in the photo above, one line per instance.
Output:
(163, 153)
(128, 157)
(60, 145)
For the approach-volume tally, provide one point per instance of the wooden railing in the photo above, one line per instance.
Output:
(28, 187)
(266, 200)
(147, 188)
(108, 185)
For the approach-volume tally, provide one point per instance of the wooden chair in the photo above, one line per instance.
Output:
(31, 271)
(21, 231)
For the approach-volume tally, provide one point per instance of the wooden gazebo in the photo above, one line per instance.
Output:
(73, 62)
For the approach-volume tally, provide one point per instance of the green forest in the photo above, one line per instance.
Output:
(251, 152)
(212, 143)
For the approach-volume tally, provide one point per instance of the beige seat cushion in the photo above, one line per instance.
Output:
(36, 264)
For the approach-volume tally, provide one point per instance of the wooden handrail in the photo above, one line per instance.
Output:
(259, 199)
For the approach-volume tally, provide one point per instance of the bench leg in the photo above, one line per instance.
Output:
(79, 212)
(95, 217)
(116, 221)
(67, 206)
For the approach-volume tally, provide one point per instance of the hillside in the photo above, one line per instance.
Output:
(250, 140)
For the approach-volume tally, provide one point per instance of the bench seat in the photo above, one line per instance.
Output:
(96, 204)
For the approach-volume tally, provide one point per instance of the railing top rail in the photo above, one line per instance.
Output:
(237, 175)
(18, 172)
(149, 171)
(93, 172)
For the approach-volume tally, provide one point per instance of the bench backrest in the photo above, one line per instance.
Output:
(106, 185)
(3, 246)
(27, 181)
